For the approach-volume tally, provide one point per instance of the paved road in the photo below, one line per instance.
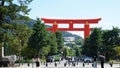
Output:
(61, 65)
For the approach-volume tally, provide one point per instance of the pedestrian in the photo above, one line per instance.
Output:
(83, 64)
(37, 62)
(28, 64)
(102, 63)
(95, 62)
(46, 64)
(111, 63)
(33, 61)
(55, 64)
(65, 64)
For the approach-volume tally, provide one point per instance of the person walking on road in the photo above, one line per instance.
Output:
(37, 62)
(33, 61)
(102, 63)
(102, 58)
(95, 62)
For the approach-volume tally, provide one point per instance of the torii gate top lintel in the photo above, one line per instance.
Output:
(71, 23)
(74, 21)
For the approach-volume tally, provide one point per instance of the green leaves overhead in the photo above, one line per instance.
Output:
(103, 42)
(11, 9)
(39, 37)
(60, 43)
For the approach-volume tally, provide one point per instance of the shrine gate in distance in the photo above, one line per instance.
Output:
(71, 22)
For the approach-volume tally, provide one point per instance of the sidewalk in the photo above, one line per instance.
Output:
(62, 66)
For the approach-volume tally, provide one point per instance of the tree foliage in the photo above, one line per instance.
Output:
(10, 33)
(66, 52)
(103, 42)
(9, 10)
(85, 47)
(53, 44)
(77, 51)
(117, 50)
(60, 43)
(39, 38)
(93, 42)
(71, 52)
(110, 40)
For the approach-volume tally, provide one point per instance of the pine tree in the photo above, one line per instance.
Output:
(92, 43)
(10, 10)
(95, 41)
(39, 38)
(53, 44)
(59, 41)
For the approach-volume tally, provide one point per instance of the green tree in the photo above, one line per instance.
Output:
(111, 36)
(28, 52)
(93, 42)
(53, 44)
(7, 38)
(118, 39)
(21, 32)
(66, 52)
(77, 51)
(117, 50)
(39, 38)
(59, 41)
(85, 47)
(110, 40)
(9, 10)
(79, 41)
(71, 52)
(11, 35)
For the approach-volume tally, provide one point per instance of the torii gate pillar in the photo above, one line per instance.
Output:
(86, 29)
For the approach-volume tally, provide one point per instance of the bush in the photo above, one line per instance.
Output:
(23, 61)
(56, 57)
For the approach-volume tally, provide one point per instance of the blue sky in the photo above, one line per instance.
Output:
(108, 10)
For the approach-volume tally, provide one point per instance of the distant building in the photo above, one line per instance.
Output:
(68, 40)
(67, 47)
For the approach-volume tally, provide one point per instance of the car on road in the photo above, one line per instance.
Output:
(50, 59)
(4, 62)
(88, 59)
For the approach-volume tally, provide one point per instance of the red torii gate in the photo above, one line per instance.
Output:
(86, 23)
